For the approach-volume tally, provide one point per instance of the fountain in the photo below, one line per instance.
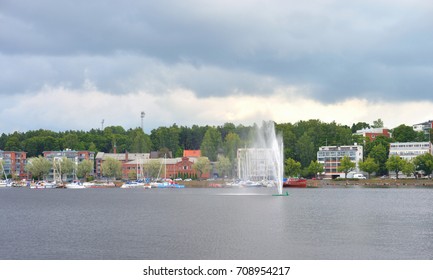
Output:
(264, 161)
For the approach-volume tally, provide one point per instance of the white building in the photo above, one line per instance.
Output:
(330, 157)
(425, 127)
(410, 150)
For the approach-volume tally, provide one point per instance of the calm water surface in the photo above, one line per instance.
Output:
(229, 223)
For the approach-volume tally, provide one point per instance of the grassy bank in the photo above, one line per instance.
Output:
(373, 182)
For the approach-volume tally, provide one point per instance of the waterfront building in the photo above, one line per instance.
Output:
(124, 158)
(136, 162)
(13, 164)
(75, 156)
(372, 133)
(330, 157)
(410, 150)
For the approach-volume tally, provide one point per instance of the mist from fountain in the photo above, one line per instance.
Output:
(264, 159)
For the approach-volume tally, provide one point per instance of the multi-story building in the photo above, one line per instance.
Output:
(372, 133)
(135, 162)
(125, 158)
(13, 164)
(425, 127)
(330, 157)
(75, 156)
(180, 167)
(410, 150)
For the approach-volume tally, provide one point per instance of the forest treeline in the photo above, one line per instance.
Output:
(301, 139)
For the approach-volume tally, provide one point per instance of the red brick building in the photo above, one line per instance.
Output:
(372, 133)
(135, 163)
(14, 164)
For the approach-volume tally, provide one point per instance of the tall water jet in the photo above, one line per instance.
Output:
(264, 159)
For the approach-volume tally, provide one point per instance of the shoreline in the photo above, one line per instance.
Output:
(376, 182)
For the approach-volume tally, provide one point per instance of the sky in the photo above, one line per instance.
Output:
(78, 65)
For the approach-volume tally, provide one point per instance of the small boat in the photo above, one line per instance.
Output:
(44, 185)
(75, 185)
(135, 184)
(166, 184)
(99, 185)
(6, 183)
(295, 183)
(250, 184)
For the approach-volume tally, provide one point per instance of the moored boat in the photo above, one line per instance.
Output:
(44, 185)
(295, 183)
(75, 185)
(135, 184)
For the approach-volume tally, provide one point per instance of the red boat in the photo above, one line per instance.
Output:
(295, 183)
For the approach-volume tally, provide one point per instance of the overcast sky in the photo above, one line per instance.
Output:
(71, 64)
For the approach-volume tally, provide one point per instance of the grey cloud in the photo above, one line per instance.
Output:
(340, 49)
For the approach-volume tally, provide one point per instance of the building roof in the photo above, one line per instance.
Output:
(159, 160)
(122, 156)
(372, 130)
(192, 153)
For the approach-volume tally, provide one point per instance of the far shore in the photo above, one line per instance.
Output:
(374, 182)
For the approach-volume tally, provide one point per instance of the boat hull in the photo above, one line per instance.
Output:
(295, 183)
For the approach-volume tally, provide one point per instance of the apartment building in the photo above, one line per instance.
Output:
(14, 164)
(330, 157)
(410, 150)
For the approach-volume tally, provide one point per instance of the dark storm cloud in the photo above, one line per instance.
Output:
(338, 49)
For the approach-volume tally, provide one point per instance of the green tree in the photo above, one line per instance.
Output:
(166, 137)
(67, 166)
(2, 169)
(232, 143)
(211, 143)
(305, 150)
(292, 167)
(346, 165)
(84, 168)
(153, 168)
(132, 175)
(408, 168)
(395, 163)
(359, 126)
(424, 163)
(369, 165)
(112, 168)
(377, 124)
(380, 156)
(202, 166)
(224, 166)
(140, 142)
(315, 168)
(404, 133)
(13, 144)
(289, 139)
(71, 141)
(39, 167)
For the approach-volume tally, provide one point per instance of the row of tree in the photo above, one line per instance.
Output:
(64, 169)
(219, 143)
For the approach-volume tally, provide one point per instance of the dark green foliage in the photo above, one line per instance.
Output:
(301, 140)
(404, 133)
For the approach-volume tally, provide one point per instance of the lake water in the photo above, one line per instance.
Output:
(227, 223)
